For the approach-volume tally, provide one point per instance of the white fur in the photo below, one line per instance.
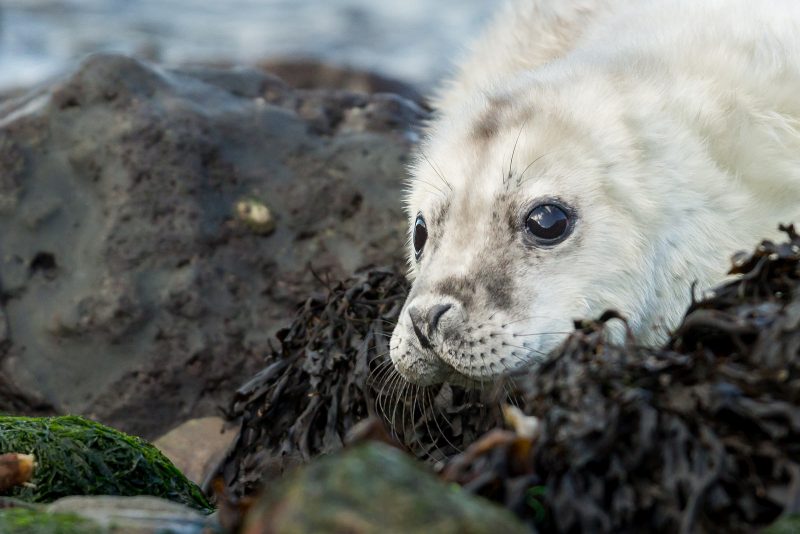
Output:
(672, 127)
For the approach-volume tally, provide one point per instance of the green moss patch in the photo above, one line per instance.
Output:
(24, 521)
(76, 456)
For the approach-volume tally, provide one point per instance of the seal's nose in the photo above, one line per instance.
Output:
(425, 323)
(435, 313)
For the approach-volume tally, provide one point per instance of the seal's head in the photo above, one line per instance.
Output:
(532, 208)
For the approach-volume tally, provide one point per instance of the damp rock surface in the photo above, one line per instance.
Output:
(373, 488)
(105, 515)
(136, 515)
(131, 289)
(196, 446)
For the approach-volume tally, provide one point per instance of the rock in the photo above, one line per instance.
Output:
(14, 399)
(256, 215)
(786, 525)
(35, 520)
(196, 446)
(16, 469)
(133, 292)
(75, 456)
(313, 74)
(136, 515)
(373, 488)
(106, 515)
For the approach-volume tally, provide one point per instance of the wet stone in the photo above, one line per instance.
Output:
(125, 264)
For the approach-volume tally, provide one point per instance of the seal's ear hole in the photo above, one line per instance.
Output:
(420, 235)
(548, 223)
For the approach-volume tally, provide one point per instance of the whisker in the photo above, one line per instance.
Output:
(414, 421)
(531, 164)
(383, 355)
(379, 401)
(380, 370)
(381, 378)
(434, 439)
(514, 150)
(382, 365)
(387, 335)
(552, 333)
(400, 385)
(436, 422)
(442, 192)
(527, 318)
(412, 411)
(524, 348)
(403, 411)
(436, 170)
(388, 399)
(508, 393)
(525, 362)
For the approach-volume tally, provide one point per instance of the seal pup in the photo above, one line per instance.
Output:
(593, 155)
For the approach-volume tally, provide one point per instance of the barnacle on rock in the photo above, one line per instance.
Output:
(256, 215)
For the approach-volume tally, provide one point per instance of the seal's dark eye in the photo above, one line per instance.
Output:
(548, 223)
(420, 235)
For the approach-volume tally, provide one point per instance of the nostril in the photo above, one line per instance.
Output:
(435, 313)
(417, 322)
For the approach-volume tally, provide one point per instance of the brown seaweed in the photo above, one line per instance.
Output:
(331, 371)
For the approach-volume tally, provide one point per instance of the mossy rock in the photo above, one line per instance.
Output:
(374, 488)
(32, 521)
(785, 525)
(76, 456)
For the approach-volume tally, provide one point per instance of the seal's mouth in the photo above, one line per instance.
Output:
(466, 350)
(458, 378)
(445, 371)
(466, 381)
(461, 380)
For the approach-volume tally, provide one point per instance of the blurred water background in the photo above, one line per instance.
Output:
(413, 40)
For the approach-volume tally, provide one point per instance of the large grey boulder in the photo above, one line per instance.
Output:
(158, 226)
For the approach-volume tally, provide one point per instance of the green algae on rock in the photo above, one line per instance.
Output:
(33, 521)
(786, 525)
(76, 456)
(141, 514)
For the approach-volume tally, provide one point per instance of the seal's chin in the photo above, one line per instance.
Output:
(436, 371)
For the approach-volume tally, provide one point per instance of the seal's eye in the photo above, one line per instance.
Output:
(420, 235)
(548, 223)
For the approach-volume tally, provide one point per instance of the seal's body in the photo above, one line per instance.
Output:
(595, 154)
